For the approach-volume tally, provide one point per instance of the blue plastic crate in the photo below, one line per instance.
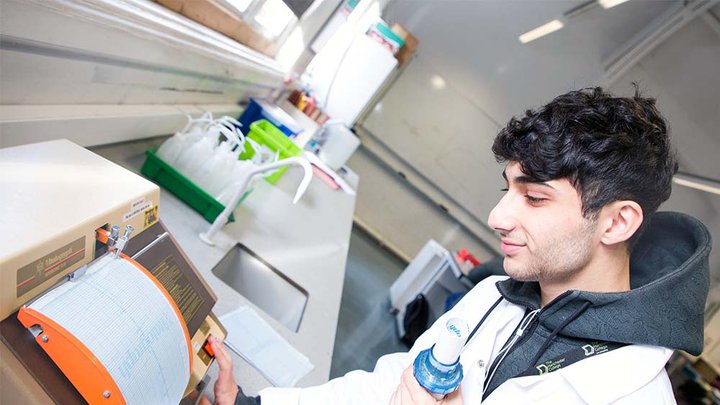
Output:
(260, 109)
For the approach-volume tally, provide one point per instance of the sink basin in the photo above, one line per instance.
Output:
(264, 285)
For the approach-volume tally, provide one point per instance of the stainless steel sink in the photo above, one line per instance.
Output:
(263, 284)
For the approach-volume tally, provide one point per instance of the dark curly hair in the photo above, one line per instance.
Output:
(610, 148)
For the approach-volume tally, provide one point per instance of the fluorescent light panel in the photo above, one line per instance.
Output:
(606, 4)
(701, 184)
(541, 31)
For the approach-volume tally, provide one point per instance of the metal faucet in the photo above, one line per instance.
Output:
(222, 219)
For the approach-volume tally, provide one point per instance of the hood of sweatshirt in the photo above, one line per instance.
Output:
(669, 280)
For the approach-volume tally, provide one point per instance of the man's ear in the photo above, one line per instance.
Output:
(620, 220)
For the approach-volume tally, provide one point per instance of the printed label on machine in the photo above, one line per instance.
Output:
(35, 273)
(151, 217)
(169, 274)
(134, 211)
(171, 268)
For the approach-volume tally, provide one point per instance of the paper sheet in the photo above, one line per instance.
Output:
(264, 348)
(129, 325)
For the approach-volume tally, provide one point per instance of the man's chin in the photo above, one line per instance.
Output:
(517, 271)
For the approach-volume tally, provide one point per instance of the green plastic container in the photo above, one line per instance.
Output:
(175, 182)
(265, 133)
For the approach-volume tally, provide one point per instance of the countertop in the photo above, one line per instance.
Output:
(308, 242)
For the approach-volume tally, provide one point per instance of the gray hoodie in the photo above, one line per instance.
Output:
(669, 280)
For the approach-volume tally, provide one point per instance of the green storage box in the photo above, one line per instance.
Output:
(175, 182)
(265, 133)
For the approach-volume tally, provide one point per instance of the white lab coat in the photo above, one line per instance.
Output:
(632, 374)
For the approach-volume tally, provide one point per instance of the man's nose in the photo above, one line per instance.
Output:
(500, 218)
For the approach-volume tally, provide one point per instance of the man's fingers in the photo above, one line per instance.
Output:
(402, 395)
(409, 392)
(410, 389)
(408, 377)
(454, 398)
(410, 385)
(221, 355)
(204, 401)
(393, 399)
(405, 394)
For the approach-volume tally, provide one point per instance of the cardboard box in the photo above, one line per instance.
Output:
(213, 15)
(174, 5)
(408, 49)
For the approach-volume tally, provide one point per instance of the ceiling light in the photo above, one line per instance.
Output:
(437, 82)
(541, 31)
(606, 4)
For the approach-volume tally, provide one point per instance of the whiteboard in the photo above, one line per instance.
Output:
(443, 135)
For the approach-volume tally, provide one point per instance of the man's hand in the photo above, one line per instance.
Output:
(409, 392)
(225, 387)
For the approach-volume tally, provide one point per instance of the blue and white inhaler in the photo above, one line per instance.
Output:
(438, 368)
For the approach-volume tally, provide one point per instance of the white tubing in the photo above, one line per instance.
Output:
(222, 219)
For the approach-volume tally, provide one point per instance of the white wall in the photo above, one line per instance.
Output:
(682, 73)
(387, 214)
(443, 135)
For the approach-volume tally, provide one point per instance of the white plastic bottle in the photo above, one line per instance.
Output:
(240, 168)
(170, 150)
(214, 174)
(198, 153)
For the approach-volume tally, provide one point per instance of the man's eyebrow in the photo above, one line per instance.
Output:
(527, 180)
(532, 180)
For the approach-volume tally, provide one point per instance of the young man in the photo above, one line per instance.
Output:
(601, 291)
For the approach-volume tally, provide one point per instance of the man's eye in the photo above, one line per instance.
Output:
(534, 200)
